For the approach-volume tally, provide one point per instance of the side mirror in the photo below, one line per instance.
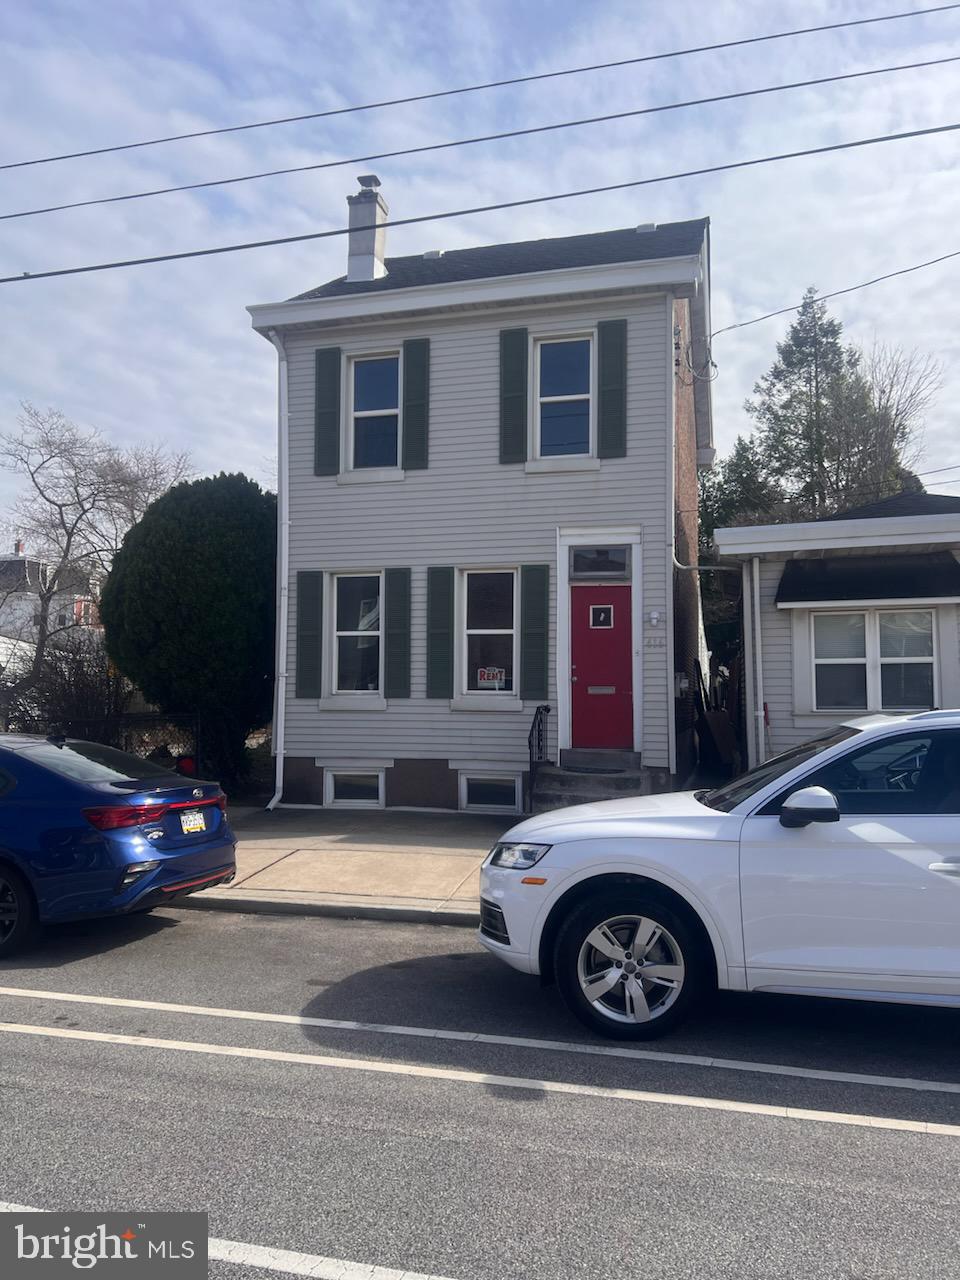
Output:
(809, 804)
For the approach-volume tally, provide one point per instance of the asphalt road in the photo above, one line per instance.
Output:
(473, 1159)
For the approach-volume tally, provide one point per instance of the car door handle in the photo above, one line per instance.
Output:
(946, 868)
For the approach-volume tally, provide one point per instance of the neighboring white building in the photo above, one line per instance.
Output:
(848, 615)
(22, 579)
(487, 472)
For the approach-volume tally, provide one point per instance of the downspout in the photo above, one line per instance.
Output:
(283, 568)
(759, 711)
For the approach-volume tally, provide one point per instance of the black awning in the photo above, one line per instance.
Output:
(853, 578)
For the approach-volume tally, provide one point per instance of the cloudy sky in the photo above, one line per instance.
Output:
(166, 352)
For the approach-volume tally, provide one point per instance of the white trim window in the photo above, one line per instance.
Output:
(374, 417)
(874, 660)
(353, 788)
(483, 792)
(357, 647)
(563, 397)
(490, 614)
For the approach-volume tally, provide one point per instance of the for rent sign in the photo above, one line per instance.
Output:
(155, 1246)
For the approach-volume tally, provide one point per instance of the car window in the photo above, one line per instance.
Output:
(731, 794)
(92, 762)
(7, 783)
(906, 774)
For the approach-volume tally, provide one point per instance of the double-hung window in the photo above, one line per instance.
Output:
(375, 412)
(357, 633)
(564, 376)
(490, 641)
(874, 660)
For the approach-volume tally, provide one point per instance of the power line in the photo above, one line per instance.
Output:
(874, 490)
(476, 88)
(483, 208)
(489, 137)
(837, 293)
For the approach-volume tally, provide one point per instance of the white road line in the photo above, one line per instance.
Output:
(515, 1042)
(287, 1261)
(484, 1078)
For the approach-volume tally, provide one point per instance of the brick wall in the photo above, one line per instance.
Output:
(686, 586)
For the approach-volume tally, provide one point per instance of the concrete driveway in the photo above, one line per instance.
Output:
(355, 858)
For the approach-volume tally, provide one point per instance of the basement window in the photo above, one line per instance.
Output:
(490, 793)
(353, 789)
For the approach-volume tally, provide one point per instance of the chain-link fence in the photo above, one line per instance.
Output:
(172, 741)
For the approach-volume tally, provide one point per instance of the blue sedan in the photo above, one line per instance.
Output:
(86, 830)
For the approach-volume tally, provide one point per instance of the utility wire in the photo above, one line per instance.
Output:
(837, 293)
(489, 137)
(476, 88)
(874, 490)
(483, 208)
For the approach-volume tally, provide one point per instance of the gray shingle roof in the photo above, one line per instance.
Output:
(903, 504)
(669, 240)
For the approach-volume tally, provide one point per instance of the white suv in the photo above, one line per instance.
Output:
(831, 870)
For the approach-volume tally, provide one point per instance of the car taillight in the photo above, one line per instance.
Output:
(222, 802)
(126, 815)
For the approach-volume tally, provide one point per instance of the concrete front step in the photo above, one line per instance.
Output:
(608, 761)
(552, 778)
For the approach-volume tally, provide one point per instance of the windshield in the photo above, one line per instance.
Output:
(92, 762)
(733, 793)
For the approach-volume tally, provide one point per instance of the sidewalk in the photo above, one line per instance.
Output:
(357, 863)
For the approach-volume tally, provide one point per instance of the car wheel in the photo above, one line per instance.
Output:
(18, 912)
(628, 965)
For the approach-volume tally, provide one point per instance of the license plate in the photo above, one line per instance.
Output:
(192, 820)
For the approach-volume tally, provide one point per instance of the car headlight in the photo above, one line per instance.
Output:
(519, 857)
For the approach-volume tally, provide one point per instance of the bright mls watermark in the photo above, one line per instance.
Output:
(156, 1246)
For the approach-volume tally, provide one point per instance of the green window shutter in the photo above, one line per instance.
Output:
(439, 632)
(326, 412)
(534, 626)
(396, 658)
(416, 403)
(513, 395)
(612, 379)
(309, 633)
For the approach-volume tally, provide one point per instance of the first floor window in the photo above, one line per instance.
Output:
(874, 660)
(490, 631)
(376, 412)
(563, 398)
(357, 633)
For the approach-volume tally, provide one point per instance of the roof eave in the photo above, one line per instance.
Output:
(772, 540)
(677, 272)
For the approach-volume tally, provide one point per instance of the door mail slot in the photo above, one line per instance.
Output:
(601, 688)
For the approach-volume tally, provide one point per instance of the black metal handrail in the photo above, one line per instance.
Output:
(537, 747)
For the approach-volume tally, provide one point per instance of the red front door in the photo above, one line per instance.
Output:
(601, 666)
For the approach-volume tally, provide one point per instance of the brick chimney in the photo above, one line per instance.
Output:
(18, 547)
(367, 239)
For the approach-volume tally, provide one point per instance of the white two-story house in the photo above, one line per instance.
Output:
(487, 487)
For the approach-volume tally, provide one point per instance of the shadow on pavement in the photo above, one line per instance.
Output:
(472, 992)
(57, 945)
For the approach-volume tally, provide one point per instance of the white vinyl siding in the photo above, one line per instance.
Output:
(469, 511)
(787, 665)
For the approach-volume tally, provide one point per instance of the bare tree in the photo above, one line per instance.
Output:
(81, 495)
(903, 385)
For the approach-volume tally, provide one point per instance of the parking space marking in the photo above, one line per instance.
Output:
(287, 1261)
(457, 1075)
(517, 1042)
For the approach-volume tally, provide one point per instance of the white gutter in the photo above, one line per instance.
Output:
(283, 567)
(671, 532)
(759, 713)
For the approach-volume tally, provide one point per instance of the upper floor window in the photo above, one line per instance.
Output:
(874, 660)
(491, 635)
(357, 633)
(563, 373)
(375, 412)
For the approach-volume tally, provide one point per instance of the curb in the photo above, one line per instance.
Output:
(209, 901)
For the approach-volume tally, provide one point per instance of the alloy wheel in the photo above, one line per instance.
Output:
(630, 969)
